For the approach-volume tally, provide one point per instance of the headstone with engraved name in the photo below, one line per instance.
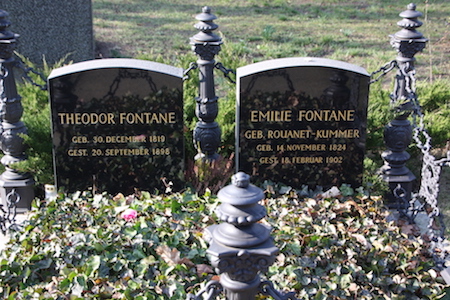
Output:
(302, 121)
(117, 125)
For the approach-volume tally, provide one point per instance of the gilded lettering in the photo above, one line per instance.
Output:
(302, 160)
(86, 118)
(147, 118)
(271, 116)
(305, 147)
(253, 134)
(286, 134)
(326, 115)
(328, 134)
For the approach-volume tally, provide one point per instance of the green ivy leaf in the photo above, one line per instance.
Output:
(92, 264)
(79, 285)
(43, 264)
(130, 232)
(64, 284)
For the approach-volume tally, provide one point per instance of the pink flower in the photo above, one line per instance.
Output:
(129, 214)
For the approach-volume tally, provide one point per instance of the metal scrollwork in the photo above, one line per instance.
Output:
(192, 66)
(225, 71)
(383, 71)
(268, 289)
(243, 267)
(8, 213)
(404, 100)
(212, 289)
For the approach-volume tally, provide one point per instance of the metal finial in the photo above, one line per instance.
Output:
(4, 25)
(241, 180)
(408, 41)
(206, 15)
(409, 23)
(240, 192)
(411, 6)
(240, 248)
(206, 26)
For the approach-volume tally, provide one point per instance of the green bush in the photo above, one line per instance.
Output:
(435, 101)
(434, 98)
(79, 247)
(378, 116)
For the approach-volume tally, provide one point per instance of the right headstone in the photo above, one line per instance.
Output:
(302, 121)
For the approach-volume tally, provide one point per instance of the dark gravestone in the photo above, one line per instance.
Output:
(302, 121)
(117, 125)
(52, 29)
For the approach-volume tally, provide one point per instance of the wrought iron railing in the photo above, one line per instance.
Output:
(408, 41)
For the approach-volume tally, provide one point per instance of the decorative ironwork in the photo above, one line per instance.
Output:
(206, 45)
(192, 66)
(241, 248)
(383, 71)
(408, 42)
(8, 217)
(225, 71)
(426, 198)
(212, 289)
(268, 289)
(398, 133)
(13, 184)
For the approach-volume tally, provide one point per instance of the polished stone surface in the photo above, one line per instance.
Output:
(117, 125)
(302, 121)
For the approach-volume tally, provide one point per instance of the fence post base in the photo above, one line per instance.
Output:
(18, 192)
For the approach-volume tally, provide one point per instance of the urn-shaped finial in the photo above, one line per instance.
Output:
(206, 26)
(408, 41)
(240, 247)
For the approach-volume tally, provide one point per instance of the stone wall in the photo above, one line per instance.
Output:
(52, 29)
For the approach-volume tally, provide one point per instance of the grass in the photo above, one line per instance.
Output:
(354, 32)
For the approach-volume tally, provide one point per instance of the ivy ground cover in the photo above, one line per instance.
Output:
(84, 246)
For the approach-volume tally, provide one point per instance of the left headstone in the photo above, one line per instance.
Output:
(117, 125)
(52, 29)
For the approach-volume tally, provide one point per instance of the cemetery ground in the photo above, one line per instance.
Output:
(82, 246)
(259, 30)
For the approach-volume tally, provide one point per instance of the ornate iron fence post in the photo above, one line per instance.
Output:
(398, 133)
(14, 186)
(206, 45)
(240, 248)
